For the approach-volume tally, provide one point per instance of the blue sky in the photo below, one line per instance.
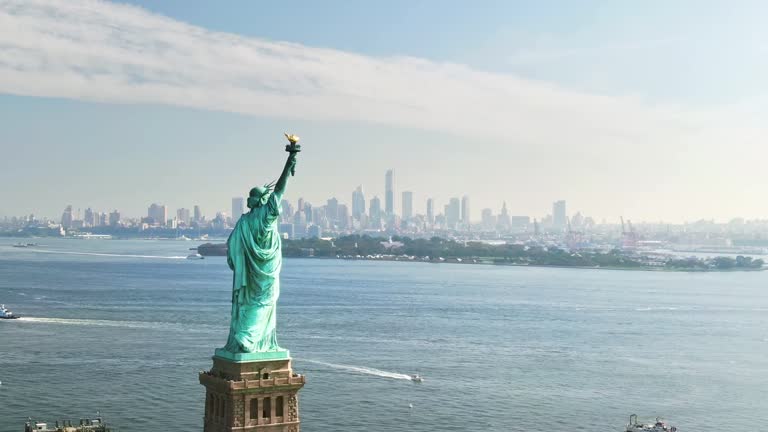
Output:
(650, 110)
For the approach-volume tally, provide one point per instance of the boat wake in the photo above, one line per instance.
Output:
(362, 370)
(107, 254)
(149, 325)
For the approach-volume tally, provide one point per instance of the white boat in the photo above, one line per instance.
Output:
(658, 426)
(6, 314)
(195, 256)
(416, 378)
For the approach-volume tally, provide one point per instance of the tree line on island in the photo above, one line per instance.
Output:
(438, 249)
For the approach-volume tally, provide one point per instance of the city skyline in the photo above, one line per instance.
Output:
(530, 104)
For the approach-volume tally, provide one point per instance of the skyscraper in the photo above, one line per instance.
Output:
(198, 217)
(182, 215)
(88, 219)
(114, 218)
(503, 221)
(238, 208)
(389, 192)
(465, 210)
(453, 212)
(66, 217)
(487, 219)
(430, 211)
(358, 203)
(407, 205)
(374, 211)
(332, 210)
(558, 214)
(158, 214)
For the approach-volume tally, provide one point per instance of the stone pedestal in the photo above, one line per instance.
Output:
(251, 395)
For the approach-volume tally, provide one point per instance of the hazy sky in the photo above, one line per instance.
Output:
(653, 110)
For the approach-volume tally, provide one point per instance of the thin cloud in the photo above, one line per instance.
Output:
(107, 52)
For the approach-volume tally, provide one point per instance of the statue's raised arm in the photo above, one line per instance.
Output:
(290, 165)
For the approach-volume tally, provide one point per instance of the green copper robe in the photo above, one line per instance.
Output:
(255, 257)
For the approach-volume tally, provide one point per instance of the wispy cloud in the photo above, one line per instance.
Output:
(99, 51)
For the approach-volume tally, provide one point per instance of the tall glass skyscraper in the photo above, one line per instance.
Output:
(389, 192)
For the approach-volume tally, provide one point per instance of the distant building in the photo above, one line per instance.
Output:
(374, 211)
(314, 231)
(198, 216)
(503, 222)
(487, 219)
(66, 217)
(286, 210)
(407, 205)
(453, 213)
(343, 216)
(332, 210)
(114, 218)
(286, 230)
(89, 218)
(430, 211)
(158, 214)
(465, 216)
(520, 221)
(238, 208)
(183, 216)
(559, 218)
(389, 192)
(358, 203)
(307, 209)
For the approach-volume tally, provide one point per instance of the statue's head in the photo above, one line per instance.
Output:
(259, 196)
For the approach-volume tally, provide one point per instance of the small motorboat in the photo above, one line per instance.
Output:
(6, 314)
(417, 378)
(24, 245)
(658, 426)
(195, 256)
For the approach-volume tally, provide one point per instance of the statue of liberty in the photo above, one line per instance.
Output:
(254, 255)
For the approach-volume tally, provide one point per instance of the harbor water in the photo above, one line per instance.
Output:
(124, 326)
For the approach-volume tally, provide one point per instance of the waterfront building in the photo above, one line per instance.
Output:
(198, 216)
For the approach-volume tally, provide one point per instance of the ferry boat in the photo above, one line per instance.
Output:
(6, 314)
(86, 425)
(658, 426)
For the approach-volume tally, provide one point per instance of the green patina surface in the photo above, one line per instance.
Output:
(249, 357)
(255, 257)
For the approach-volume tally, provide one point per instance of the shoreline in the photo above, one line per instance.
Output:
(617, 268)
